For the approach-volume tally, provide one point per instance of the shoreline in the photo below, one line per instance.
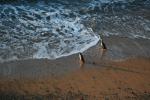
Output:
(118, 49)
(121, 72)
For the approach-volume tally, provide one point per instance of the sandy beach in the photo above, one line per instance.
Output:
(119, 73)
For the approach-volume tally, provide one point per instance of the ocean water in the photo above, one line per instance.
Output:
(36, 29)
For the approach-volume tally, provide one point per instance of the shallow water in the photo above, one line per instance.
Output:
(55, 28)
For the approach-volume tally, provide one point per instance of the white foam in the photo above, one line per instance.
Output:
(41, 50)
(82, 49)
(48, 37)
(141, 36)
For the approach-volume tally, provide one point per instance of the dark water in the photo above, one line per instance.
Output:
(55, 28)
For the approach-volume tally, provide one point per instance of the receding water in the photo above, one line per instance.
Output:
(55, 28)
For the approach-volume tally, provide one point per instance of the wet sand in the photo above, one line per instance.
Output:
(119, 73)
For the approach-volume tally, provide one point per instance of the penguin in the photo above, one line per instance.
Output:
(81, 59)
(103, 46)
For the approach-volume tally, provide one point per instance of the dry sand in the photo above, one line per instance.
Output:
(119, 73)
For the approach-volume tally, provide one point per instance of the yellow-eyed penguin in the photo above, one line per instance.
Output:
(81, 59)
